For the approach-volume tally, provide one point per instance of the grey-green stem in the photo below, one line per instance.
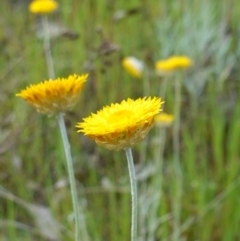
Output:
(62, 126)
(177, 165)
(133, 183)
(47, 47)
(70, 169)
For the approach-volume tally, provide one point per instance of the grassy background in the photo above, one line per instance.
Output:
(34, 192)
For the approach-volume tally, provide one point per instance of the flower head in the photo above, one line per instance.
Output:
(163, 119)
(133, 66)
(173, 63)
(42, 6)
(180, 62)
(123, 124)
(54, 96)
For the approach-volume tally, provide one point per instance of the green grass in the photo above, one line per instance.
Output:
(32, 165)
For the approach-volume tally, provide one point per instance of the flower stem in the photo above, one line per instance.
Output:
(133, 183)
(84, 235)
(47, 47)
(153, 213)
(177, 165)
(146, 84)
(163, 87)
(146, 88)
(62, 126)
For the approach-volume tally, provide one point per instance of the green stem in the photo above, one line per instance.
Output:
(163, 88)
(49, 63)
(158, 155)
(157, 184)
(133, 183)
(47, 47)
(146, 90)
(51, 74)
(177, 165)
(176, 127)
(67, 150)
(146, 84)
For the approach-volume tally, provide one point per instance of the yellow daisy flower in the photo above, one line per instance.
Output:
(121, 125)
(54, 96)
(42, 6)
(180, 62)
(133, 66)
(164, 66)
(173, 63)
(163, 119)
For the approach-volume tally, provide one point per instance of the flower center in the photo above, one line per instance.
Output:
(119, 116)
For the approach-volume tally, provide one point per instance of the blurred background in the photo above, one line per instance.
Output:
(93, 36)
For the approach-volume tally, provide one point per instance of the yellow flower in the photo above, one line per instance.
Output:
(54, 96)
(180, 61)
(173, 63)
(133, 66)
(164, 66)
(163, 119)
(121, 125)
(42, 6)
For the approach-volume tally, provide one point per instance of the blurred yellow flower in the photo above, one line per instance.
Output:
(133, 66)
(173, 63)
(54, 96)
(164, 65)
(181, 61)
(121, 125)
(42, 6)
(163, 119)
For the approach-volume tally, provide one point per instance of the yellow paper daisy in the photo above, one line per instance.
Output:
(163, 119)
(121, 125)
(173, 63)
(180, 62)
(164, 65)
(133, 66)
(42, 6)
(54, 96)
